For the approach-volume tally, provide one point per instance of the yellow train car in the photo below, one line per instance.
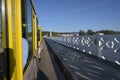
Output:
(18, 40)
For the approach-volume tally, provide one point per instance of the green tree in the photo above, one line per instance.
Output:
(54, 33)
(81, 32)
(108, 32)
(90, 32)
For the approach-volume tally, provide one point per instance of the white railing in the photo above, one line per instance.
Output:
(103, 46)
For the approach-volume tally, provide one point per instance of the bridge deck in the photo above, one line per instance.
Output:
(83, 66)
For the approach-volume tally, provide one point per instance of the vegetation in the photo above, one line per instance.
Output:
(90, 32)
(81, 32)
(54, 33)
(108, 32)
(47, 33)
(105, 32)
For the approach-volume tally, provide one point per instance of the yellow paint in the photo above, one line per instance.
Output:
(34, 32)
(39, 27)
(40, 35)
(33, 19)
(10, 24)
(15, 36)
(15, 39)
(19, 40)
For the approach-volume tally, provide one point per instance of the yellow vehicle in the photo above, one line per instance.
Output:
(18, 23)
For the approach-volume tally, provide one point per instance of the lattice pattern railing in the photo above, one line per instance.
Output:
(103, 46)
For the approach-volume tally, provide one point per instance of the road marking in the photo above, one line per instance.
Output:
(97, 67)
(83, 76)
(72, 66)
(91, 70)
(86, 61)
(93, 75)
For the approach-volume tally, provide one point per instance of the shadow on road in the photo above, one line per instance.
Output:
(41, 75)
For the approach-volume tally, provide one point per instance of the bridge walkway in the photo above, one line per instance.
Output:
(47, 66)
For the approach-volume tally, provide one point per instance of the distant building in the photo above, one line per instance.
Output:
(69, 34)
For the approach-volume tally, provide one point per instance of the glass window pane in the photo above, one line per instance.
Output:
(27, 32)
(29, 23)
(38, 35)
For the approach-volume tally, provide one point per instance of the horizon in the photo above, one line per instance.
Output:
(78, 31)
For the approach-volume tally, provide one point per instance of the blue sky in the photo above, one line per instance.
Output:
(75, 15)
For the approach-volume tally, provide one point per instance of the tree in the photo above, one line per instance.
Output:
(54, 33)
(108, 32)
(90, 32)
(81, 32)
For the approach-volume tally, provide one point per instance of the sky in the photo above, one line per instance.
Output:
(75, 15)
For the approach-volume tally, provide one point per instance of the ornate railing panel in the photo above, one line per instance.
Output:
(103, 46)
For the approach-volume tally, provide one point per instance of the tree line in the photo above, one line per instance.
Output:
(91, 32)
(81, 32)
(47, 33)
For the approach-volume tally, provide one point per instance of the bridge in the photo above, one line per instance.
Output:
(94, 57)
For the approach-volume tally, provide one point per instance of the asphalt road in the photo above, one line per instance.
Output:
(85, 67)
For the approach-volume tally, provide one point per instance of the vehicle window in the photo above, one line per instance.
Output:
(29, 22)
(26, 32)
(38, 35)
